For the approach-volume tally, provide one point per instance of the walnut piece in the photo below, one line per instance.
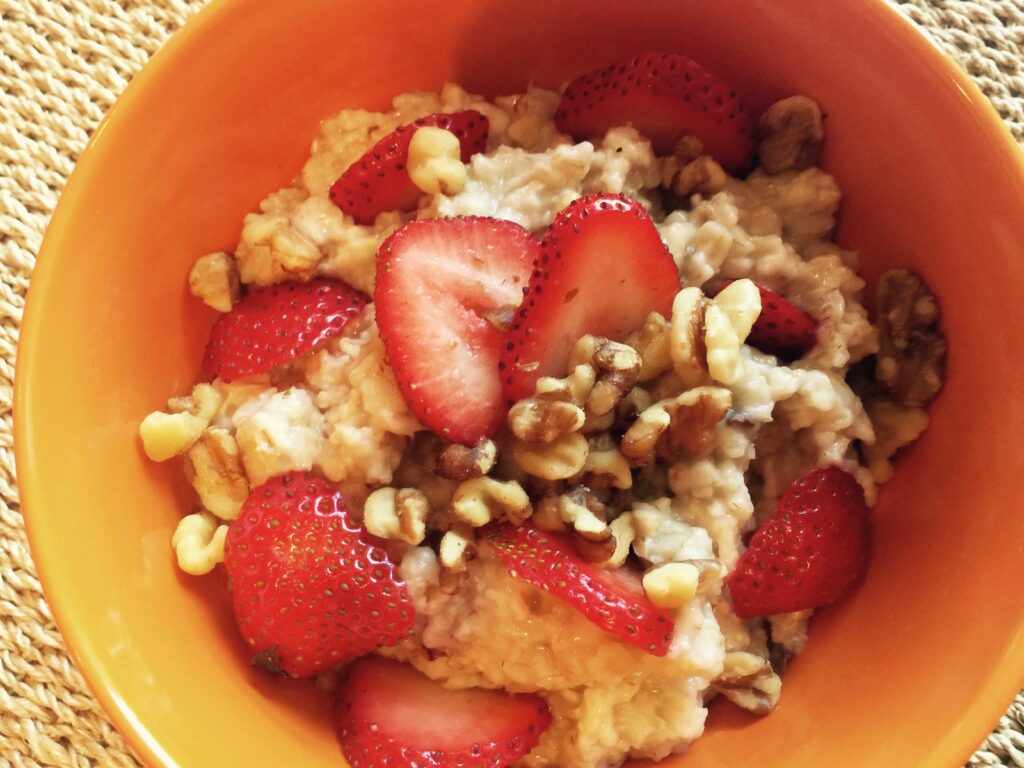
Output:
(458, 547)
(214, 467)
(480, 500)
(682, 424)
(912, 349)
(542, 420)
(687, 346)
(460, 462)
(789, 134)
(701, 175)
(750, 682)
(558, 460)
(397, 514)
(617, 367)
(652, 341)
(591, 536)
(214, 280)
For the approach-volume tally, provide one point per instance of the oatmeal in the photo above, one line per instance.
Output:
(539, 399)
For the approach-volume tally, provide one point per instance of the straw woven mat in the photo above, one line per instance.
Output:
(62, 64)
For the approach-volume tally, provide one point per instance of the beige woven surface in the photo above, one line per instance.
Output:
(62, 64)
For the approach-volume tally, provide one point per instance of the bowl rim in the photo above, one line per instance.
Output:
(998, 690)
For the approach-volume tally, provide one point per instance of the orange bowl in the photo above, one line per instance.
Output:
(912, 671)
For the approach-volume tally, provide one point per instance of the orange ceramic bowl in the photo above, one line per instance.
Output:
(912, 671)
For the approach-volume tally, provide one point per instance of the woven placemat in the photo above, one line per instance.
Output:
(62, 64)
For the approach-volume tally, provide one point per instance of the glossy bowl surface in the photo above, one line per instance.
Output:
(913, 671)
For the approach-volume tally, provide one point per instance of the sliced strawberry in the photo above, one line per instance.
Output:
(379, 180)
(664, 96)
(274, 325)
(311, 589)
(603, 270)
(782, 329)
(613, 599)
(391, 716)
(810, 553)
(446, 289)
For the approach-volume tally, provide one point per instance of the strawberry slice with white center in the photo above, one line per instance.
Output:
(274, 325)
(389, 715)
(613, 599)
(446, 289)
(379, 180)
(603, 269)
(664, 96)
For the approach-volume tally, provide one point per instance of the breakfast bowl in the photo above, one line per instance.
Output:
(912, 669)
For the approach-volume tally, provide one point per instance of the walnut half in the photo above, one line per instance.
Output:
(749, 682)
(789, 134)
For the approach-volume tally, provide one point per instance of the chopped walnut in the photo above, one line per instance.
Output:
(541, 420)
(560, 459)
(606, 467)
(683, 424)
(590, 534)
(749, 682)
(169, 434)
(482, 499)
(574, 388)
(687, 346)
(790, 135)
(622, 531)
(214, 280)
(694, 415)
(671, 585)
(652, 341)
(617, 367)
(214, 467)
(399, 514)
(547, 513)
(912, 349)
(702, 175)
(460, 462)
(457, 547)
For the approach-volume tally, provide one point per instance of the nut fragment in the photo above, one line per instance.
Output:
(198, 543)
(434, 161)
(671, 585)
(214, 467)
(722, 345)
(701, 175)
(398, 514)
(652, 341)
(458, 547)
(214, 280)
(912, 349)
(623, 533)
(741, 302)
(558, 460)
(478, 501)
(591, 536)
(617, 367)
(689, 354)
(169, 434)
(574, 388)
(694, 415)
(539, 420)
(642, 436)
(459, 462)
(606, 467)
(547, 513)
(749, 682)
(790, 135)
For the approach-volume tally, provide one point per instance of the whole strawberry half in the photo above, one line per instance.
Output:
(603, 269)
(391, 716)
(664, 96)
(782, 329)
(311, 589)
(274, 325)
(446, 289)
(379, 180)
(810, 553)
(613, 599)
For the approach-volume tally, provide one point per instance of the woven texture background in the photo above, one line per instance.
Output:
(62, 64)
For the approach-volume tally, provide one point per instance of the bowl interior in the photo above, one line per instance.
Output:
(226, 113)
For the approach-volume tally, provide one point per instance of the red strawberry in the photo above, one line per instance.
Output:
(379, 181)
(391, 716)
(446, 289)
(603, 270)
(810, 553)
(663, 95)
(782, 329)
(311, 589)
(274, 325)
(613, 599)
